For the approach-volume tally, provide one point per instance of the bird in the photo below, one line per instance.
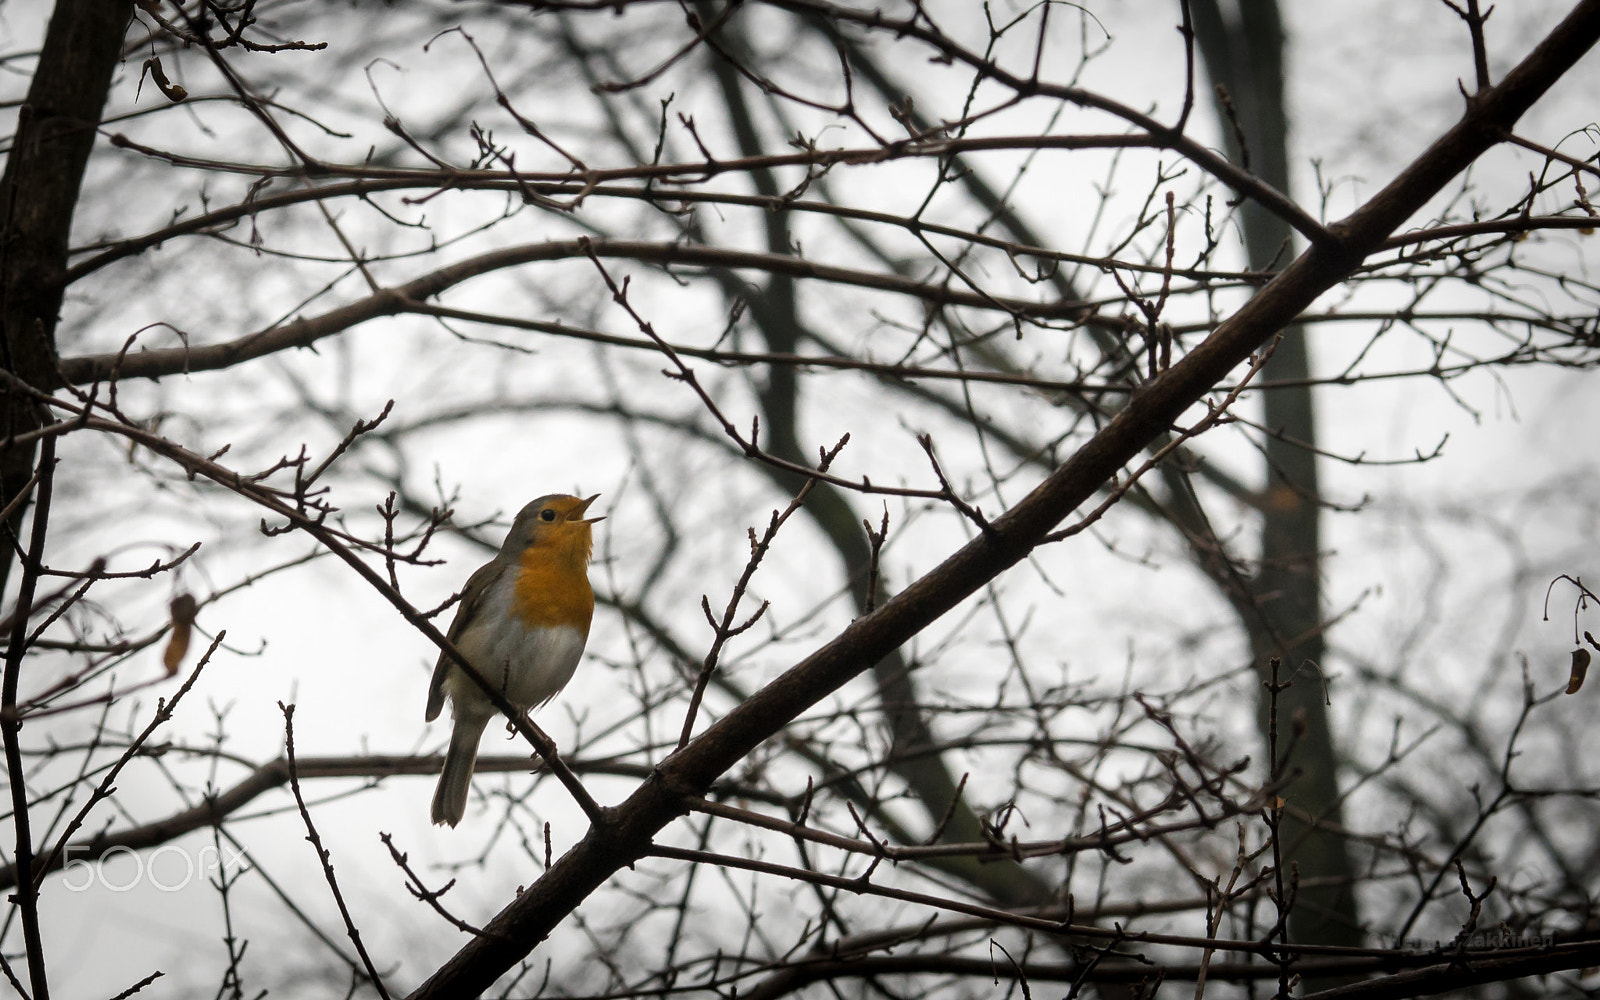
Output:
(522, 624)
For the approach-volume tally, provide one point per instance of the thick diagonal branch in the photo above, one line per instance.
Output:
(628, 830)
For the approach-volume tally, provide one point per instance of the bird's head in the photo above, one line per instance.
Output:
(555, 521)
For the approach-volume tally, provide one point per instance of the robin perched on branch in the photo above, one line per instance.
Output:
(523, 620)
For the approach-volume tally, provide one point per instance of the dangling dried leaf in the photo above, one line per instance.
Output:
(1580, 666)
(183, 609)
(170, 90)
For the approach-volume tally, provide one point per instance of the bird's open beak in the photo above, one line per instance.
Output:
(578, 511)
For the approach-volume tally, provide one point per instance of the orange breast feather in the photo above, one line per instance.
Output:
(553, 588)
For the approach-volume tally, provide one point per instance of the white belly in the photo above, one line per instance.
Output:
(528, 665)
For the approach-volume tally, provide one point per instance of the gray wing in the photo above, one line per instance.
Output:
(478, 585)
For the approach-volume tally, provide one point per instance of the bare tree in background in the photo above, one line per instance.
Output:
(905, 346)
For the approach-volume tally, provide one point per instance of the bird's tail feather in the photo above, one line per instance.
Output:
(455, 778)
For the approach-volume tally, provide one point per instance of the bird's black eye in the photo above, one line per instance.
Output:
(547, 514)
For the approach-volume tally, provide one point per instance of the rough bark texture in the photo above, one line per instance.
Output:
(38, 192)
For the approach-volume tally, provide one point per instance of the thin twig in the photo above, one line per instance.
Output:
(323, 855)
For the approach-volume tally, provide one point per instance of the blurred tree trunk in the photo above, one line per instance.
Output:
(1243, 52)
(38, 192)
(774, 311)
